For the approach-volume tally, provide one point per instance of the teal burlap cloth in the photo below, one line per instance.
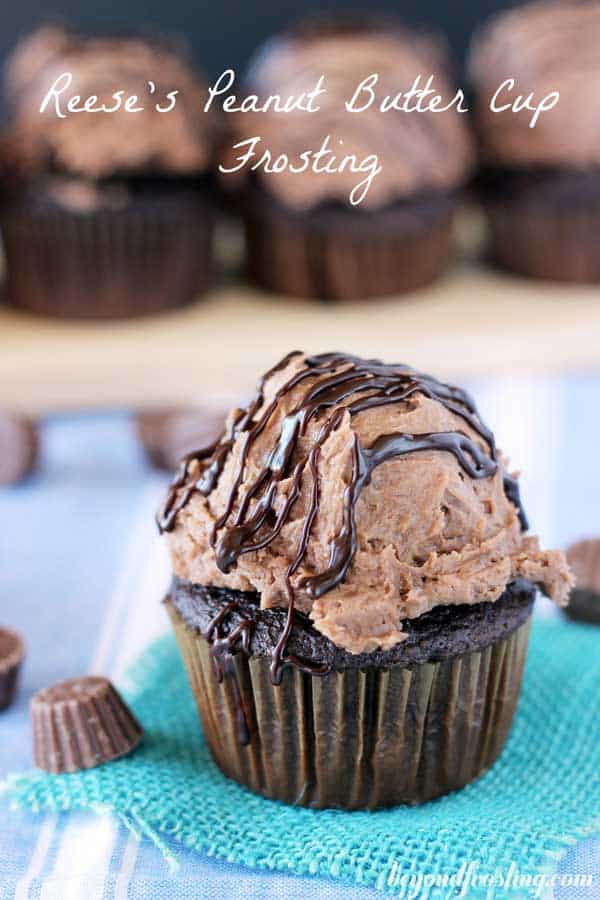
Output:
(541, 795)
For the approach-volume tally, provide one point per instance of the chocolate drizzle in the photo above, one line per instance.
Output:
(222, 649)
(339, 385)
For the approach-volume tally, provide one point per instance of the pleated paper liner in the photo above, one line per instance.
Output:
(347, 254)
(152, 255)
(544, 224)
(357, 739)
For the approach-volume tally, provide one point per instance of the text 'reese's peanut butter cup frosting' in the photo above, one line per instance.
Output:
(417, 151)
(99, 144)
(544, 47)
(360, 494)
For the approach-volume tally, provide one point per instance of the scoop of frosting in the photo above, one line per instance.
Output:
(544, 47)
(98, 144)
(418, 151)
(359, 493)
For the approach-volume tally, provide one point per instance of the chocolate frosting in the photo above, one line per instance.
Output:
(101, 144)
(419, 151)
(545, 47)
(359, 493)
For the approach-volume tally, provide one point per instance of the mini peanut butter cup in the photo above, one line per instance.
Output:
(19, 444)
(12, 651)
(584, 602)
(81, 723)
(167, 434)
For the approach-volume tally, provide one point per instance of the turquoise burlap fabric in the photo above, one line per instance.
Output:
(542, 794)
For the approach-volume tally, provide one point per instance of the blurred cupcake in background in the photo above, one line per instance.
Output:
(541, 182)
(107, 214)
(304, 235)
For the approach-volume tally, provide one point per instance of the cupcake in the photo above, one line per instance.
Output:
(108, 213)
(540, 184)
(353, 585)
(584, 602)
(334, 227)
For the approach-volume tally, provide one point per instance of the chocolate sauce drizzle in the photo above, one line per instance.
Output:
(222, 649)
(338, 385)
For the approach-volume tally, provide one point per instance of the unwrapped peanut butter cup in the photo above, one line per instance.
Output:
(81, 723)
(584, 602)
(19, 445)
(169, 433)
(12, 651)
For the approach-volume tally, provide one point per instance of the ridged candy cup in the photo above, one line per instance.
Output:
(81, 723)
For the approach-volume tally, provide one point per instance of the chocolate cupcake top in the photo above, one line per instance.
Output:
(100, 144)
(417, 151)
(359, 493)
(545, 47)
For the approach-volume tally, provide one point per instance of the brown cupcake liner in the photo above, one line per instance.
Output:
(347, 254)
(147, 257)
(546, 231)
(356, 738)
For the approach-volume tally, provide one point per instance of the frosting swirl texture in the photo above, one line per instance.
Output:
(98, 144)
(359, 493)
(545, 46)
(418, 151)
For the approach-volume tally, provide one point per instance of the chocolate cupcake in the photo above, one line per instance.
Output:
(332, 229)
(540, 184)
(108, 213)
(353, 586)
